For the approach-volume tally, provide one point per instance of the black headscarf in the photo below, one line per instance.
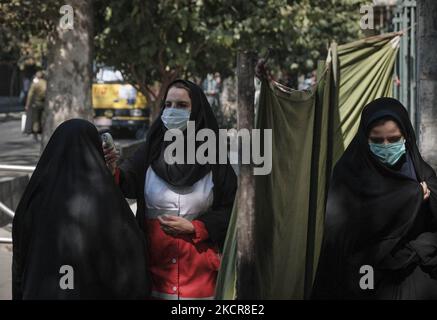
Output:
(133, 170)
(376, 215)
(72, 213)
(182, 174)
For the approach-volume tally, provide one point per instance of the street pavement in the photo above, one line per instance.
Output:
(16, 148)
(20, 149)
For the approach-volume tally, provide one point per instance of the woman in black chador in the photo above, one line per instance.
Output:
(74, 235)
(380, 237)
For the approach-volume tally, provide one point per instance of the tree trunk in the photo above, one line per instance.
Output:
(427, 79)
(69, 78)
(155, 106)
(246, 286)
(166, 79)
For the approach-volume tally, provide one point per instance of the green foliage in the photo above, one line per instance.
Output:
(23, 19)
(157, 41)
(150, 41)
(25, 26)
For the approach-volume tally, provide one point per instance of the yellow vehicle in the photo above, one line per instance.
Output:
(118, 105)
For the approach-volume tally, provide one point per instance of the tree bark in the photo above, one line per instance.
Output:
(246, 284)
(69, 71)
(167, 78)
(427, 79)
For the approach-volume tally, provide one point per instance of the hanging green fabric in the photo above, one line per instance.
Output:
(283, 197)
(226, 279)
(365, 70)
(310, 130)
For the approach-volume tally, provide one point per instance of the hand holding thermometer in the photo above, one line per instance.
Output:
(111, 154)
(108, 142)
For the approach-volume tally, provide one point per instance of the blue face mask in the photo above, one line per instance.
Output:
(388, 153)
(175, 118)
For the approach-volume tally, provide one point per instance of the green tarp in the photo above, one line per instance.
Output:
(310, 131)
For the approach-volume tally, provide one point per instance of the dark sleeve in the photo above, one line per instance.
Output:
(425, 244)
(400, 262)
(131, 170)
(420, 251)
(217, 218)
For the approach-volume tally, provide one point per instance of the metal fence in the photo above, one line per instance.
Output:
(405, 70)
(3, 208)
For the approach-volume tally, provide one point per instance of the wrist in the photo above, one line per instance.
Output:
(192, 228)
(200, 231)
(116, 175)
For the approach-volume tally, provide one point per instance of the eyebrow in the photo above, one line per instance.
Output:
(387, 136)
(178, 101)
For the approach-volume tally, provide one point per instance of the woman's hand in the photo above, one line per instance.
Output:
(111, 158)
(260, 69)
(174, 225)
(426, 191)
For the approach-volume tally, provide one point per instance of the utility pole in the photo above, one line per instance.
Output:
(427, 79)
(246, 284)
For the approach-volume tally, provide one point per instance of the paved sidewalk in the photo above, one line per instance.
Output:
(16, 148)
(5, 267)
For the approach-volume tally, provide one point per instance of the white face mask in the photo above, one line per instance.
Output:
(175, 118)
